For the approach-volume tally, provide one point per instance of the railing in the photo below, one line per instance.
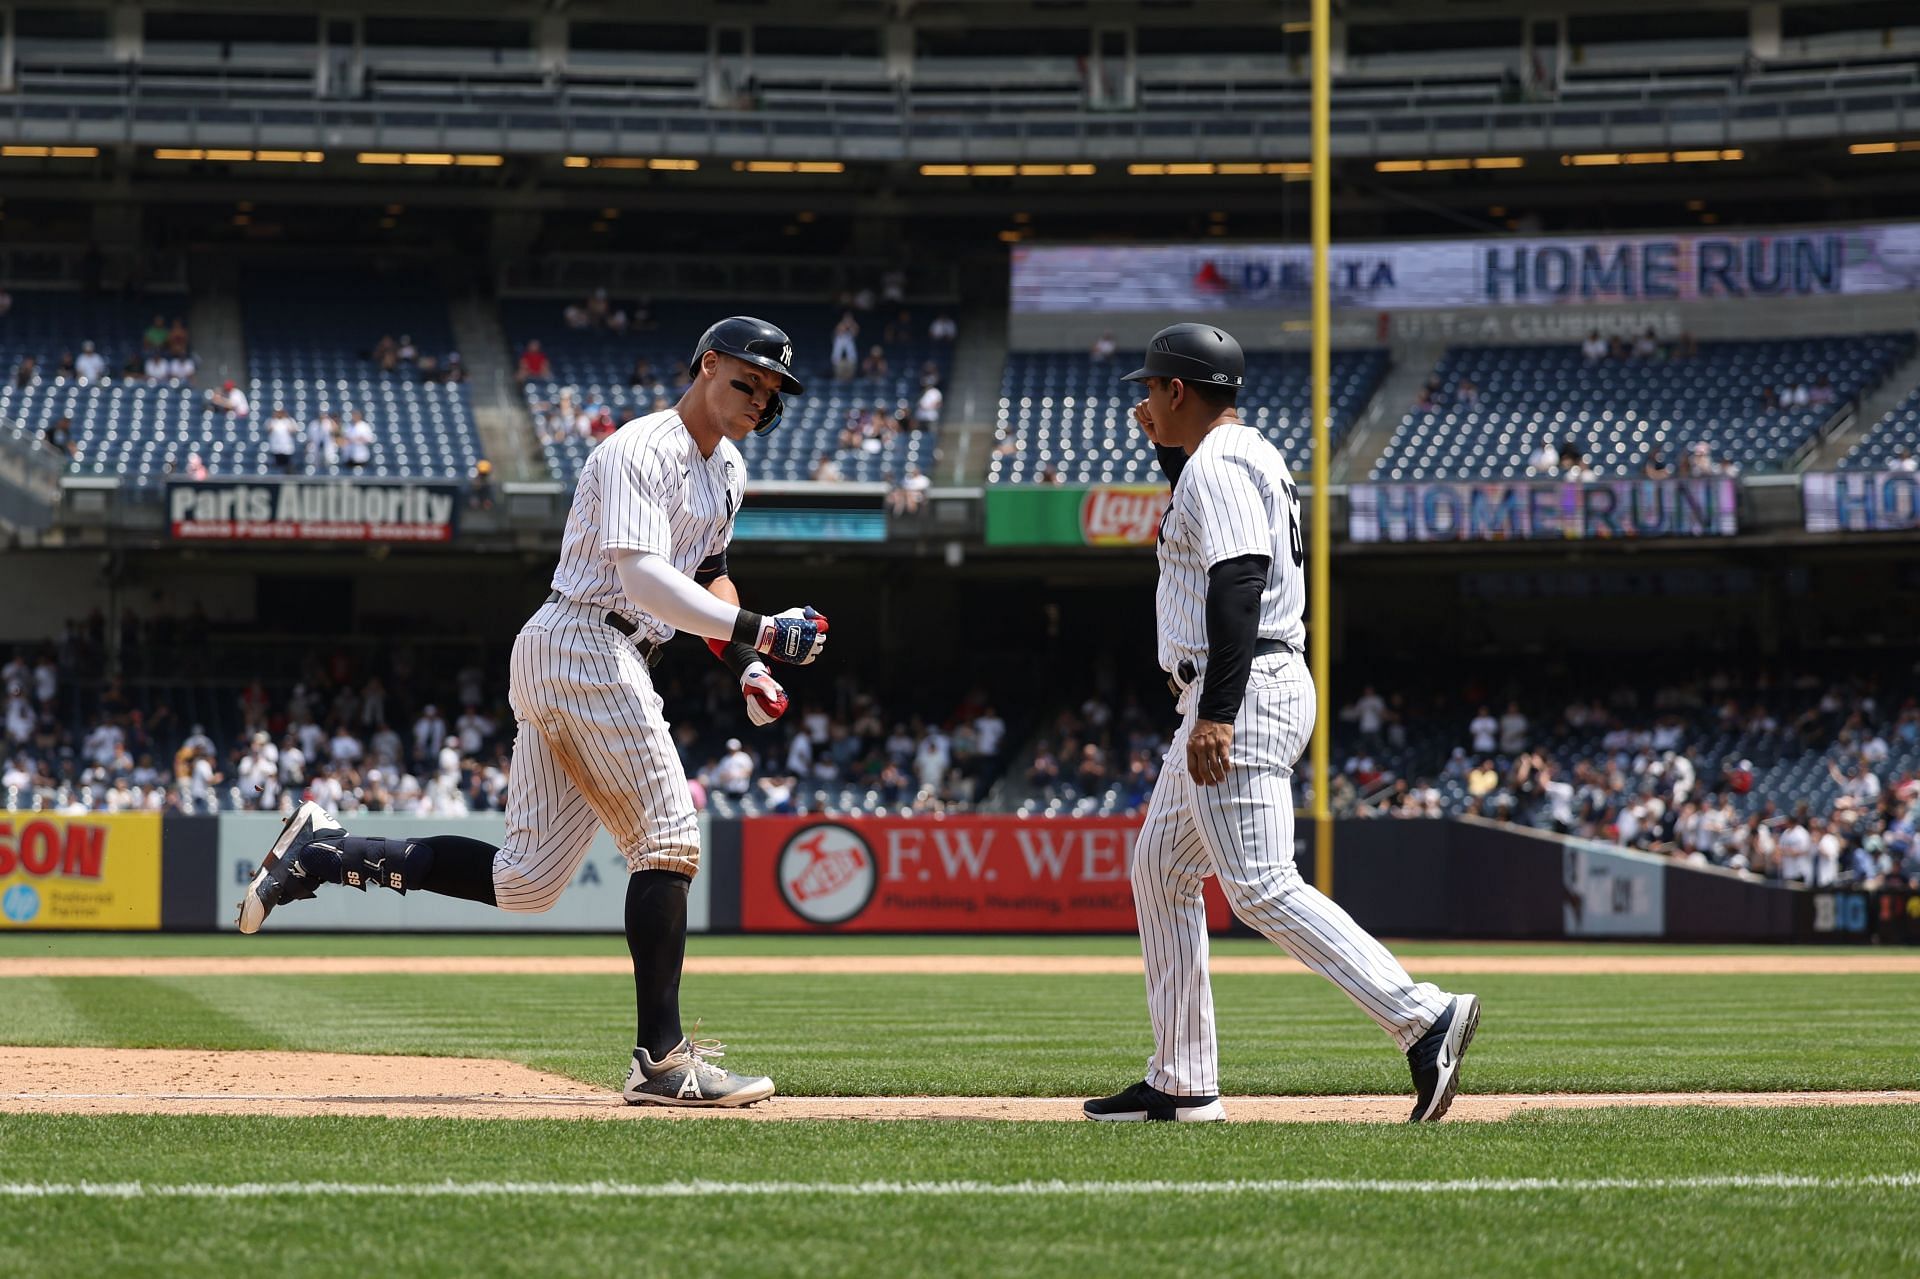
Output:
(1057, 136)
(30, 473)
(681, 276)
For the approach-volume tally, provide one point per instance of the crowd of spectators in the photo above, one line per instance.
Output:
(164, 354)
(901, 762)
(1092, 751)
(1646, 347)
(356, 733)
(384, 730)
(598, 311)
(1637, 776)
(406, 357)
(389, 729)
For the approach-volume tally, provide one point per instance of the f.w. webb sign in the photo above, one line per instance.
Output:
(343, 510)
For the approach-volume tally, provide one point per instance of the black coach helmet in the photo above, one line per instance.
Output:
(754, 341)
(1193, 353)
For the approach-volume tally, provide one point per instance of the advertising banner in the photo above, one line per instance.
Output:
(1613, 893)
(1896, 916)
(1524, 510)
(100, 871)
(318, 510)
(1452, 274)
(953, 875)
(1058, 515)
(594, 903)
(781, 524)
(1861, 501)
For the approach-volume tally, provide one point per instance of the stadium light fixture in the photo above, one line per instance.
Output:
(1289, 169)
(239, 156)
(1450, 164)
(49, 153)
(1008, 170)
(629, 162)
(788, 166)
(1881, 148)
(427, 159)
(1604, 159)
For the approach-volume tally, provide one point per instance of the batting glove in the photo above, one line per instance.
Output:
(766, 700)
(795, 637)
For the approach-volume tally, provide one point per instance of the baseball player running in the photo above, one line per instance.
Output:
(1229, 602)
(644, 555)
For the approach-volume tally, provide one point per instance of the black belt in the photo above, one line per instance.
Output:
(1186, 672)
(651, 650)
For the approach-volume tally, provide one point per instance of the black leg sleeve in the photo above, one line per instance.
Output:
(657, 940)
(461, 867)
(451, 865)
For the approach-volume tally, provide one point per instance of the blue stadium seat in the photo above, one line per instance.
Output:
(1065, 410)
(309, 355)
(1897, 432)
(1619, 412)
(596, 365)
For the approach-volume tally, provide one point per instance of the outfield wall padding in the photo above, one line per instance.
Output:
(1463, 878)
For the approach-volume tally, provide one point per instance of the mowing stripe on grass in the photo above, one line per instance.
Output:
(930, 1189)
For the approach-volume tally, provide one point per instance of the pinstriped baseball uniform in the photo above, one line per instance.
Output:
(593, 748)
(1235, 498)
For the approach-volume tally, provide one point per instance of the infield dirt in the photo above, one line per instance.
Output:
(172, 1081)
(1838, 962)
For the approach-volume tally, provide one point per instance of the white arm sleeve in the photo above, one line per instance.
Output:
(660, 590)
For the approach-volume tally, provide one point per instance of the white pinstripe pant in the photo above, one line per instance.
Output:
(1242, 831)
(592, 750)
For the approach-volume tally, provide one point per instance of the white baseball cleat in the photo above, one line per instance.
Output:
(282, 877)
(686, 1076)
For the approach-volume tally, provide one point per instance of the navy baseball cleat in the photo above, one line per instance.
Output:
(1436, 1058)
(686, 1076)
(1145, 1103)
(286, 873)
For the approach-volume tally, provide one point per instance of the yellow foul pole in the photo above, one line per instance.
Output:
(1317, 577)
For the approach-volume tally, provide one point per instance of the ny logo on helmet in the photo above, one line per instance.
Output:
(786, 355)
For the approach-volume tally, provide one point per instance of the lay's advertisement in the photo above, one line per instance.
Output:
(96, 871)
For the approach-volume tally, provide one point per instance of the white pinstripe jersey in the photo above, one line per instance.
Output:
(1235, 497)
(646, 487)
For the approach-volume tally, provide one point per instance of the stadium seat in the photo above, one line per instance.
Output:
(1065, 410)
(595, 365)
(1619, 412)
(1899, 429)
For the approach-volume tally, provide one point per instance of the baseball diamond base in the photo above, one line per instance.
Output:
(201, 1082)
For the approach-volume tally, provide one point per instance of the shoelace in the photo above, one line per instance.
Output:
(702, 1053)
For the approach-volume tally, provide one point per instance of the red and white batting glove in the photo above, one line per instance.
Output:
(794, 637)
(766, 700)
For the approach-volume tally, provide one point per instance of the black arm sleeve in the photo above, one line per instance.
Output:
(736, 657)
(1233, 627)
(1172, 461)
(710, 570)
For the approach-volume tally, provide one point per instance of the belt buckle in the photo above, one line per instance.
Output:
(1182, 677)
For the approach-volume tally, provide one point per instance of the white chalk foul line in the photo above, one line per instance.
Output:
(930, 1189)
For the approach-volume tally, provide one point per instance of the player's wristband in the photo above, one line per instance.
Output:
(734, 655)
(747, 628)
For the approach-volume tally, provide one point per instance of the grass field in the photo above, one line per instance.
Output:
(1706, 1191)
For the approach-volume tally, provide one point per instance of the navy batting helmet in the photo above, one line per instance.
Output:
(1193, 353)
(754, 341)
